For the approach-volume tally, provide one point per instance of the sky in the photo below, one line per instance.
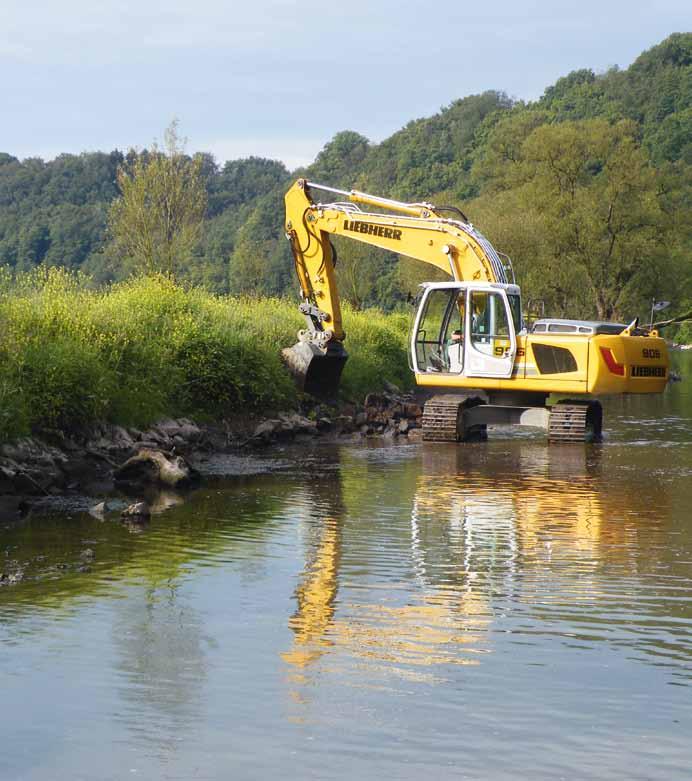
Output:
(278, 79)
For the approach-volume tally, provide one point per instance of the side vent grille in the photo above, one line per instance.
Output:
(554, 360)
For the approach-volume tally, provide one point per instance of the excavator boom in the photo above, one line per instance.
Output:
(418, 230)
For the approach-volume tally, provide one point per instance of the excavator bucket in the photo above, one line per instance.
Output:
(315, 371)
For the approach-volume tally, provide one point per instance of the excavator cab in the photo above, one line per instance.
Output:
(466, 329)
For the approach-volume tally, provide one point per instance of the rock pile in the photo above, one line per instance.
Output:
(287, 425)
(172, 435)
(390, 414)
(31, 467)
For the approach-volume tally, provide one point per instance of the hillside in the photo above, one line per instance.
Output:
(484, 152)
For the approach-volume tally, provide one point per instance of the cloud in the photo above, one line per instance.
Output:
(14, 51)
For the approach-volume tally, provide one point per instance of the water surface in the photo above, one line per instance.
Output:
(495, 610)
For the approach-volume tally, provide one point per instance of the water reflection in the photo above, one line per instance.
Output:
(161, 666)
(316, 592)
(428, 609)
(525, 541)
(558, 546)
(540, 507)
(395, 639)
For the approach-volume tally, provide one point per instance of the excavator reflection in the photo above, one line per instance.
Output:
(475, 544)
(316, 596)
(398, 638)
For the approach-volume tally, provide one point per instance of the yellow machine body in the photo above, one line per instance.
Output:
(638, 364)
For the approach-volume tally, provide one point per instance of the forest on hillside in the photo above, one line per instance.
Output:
(587, 189)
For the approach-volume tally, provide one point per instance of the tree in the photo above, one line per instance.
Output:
(54, 212)
(157, 220)
(340, 158)
(261, 262)
(242, 181)
(596, 204)
(359, 269)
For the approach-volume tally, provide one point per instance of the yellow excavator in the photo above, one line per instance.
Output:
(468, 339)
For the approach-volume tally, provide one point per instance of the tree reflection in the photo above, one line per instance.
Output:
(161, 665)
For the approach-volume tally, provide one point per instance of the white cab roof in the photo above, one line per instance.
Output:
(482, 286)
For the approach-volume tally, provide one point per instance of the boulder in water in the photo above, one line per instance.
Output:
(154, 466)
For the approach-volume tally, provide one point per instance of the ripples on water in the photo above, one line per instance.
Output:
(494, 610)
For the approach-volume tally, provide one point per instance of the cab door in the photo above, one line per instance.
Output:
(436, 338)
(492, 346)
(427, 345)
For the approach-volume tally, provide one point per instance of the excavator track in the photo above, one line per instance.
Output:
(443, 418)
(572, 421)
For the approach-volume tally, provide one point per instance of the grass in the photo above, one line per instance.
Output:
(148, 348)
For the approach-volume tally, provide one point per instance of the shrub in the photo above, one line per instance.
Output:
(148, 348)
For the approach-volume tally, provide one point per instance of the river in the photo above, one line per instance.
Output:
(496, 610)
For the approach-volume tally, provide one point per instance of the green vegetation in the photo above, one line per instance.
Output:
(146, 348)
(156, 222)
(600, 240)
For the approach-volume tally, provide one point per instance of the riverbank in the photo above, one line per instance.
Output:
(148, 349)
(111, 463)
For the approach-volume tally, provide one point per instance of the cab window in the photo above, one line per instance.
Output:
(489, 325)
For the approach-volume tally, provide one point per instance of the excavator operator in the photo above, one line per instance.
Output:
(455, 344)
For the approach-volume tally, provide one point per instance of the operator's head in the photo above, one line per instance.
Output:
(456, 336)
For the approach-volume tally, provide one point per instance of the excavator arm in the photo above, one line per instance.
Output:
(418, 230)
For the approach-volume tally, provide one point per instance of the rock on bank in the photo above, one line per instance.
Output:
(107, 457)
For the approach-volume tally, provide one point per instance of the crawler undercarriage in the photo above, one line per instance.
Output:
(465, 417)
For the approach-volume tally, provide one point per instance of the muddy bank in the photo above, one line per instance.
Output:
(123, 465)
